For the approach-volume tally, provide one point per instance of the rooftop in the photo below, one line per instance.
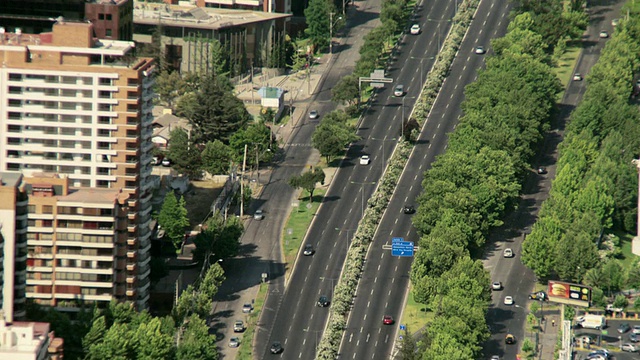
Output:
(92, 196)
(202, 18)
(11, 179)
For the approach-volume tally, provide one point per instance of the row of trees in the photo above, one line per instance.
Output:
(478, 178)
(595, 188)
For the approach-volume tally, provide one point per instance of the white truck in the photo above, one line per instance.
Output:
(593, 322)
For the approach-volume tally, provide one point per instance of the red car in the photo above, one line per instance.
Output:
(387, 320)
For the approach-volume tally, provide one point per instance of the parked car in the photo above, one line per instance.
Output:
(508, 253)
(258, 215)
(238, 326)
(496, 285)
(539, 295)
(313, 114)
(611, 308)
(234, 342)
(542, 170)
(308, 250)
(629, 347)
(166, 162)
(634, 338)
(415, 29)
(480, 50)
(623, 328)
(577, 77)
(276, 347)
(387, 320)
(604, 34)
(635, 330)
(365, 160)
(247, 308)
(615, 22)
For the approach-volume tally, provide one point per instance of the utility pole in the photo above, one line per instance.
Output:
(244, 164)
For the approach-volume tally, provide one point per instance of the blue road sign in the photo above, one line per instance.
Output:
(403, 327)
(402, 248)
(396, 239)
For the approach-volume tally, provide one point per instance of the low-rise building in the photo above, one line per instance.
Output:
(29, 341)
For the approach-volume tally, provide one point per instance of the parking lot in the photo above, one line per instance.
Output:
(608, 338)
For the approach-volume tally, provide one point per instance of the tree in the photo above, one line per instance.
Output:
(216, 158)
(308, 180)
(331, 138)
(118, 343)
(318, 22)
(632, 278)
(95, 334)
(151, 342)
(191, 302)
(196, 343)
(621, 302)
(346, 90)
(212, 280)
(407, 347)
(267, 115)
(258, 139)
(173, 218)
(213, 111)
(169, 86)
(184, 154)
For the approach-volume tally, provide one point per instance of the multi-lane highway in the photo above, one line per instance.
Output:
(293, 318)
(518, 280)
(383, 287)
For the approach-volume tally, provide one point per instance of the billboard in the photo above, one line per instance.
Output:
(570, 294)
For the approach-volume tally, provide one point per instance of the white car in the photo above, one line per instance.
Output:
(577, 77)
(635, 329)
(496, 285)
(415, 29)
(313, 114)
(365, 160)
(234, 342)
(629, 347)
(480, 50)
(258, 215)
(508, 253)
(508, 300)
(604, 34)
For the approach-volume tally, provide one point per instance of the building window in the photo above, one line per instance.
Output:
(47, 209)
(107, 32)
(108, 17)
(100, 16)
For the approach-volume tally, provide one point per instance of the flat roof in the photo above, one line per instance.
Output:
(201, 18)
(12, 179)
(91, 196)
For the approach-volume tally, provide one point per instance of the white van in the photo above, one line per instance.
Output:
(593, 322)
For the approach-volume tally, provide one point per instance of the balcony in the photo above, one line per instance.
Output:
(132, 241)
(132, 254)
(131, 292)
(132, 228)
(131, 279)
(132, 216)
(132, 267)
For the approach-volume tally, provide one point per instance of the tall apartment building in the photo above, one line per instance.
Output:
(13, 246)
(73, 105)
(112, 19)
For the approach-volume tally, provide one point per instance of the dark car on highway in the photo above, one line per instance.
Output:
(276, 348)
(323, 301)
(408, 209)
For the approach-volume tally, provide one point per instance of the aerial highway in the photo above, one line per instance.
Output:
(385, 280)
(291, 316)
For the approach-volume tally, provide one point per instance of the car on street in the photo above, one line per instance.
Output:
(634, 338)
(313, 114)
(495, 357)
(276, 347)
(510, 339)
(585, 339)
(480, 50)
(323, 301)
(623, 328)
(635, 330)
(496, 285)
(238, 326)
(408, 209)
(542, 170)
(577, 77)
(539, 295)
(234, 342)
(508, 300)
(629, 347)
(615, 22)
(308, 250)
(415, 29)
(601, 352)
(365, 160)
(612, 308)
(247, 308)
(166, 162)
(604, 34)
(258, 215)
(387, 320)
(398, 91)
(597, 357)
(508, 253)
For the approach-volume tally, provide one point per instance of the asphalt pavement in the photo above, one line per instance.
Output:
(382, 289)
(518, 280)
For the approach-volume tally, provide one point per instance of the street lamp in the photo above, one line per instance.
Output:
(331, 25)
(315, 338)
(347, 230)
(439, 21)
(402, 120)
(362, 190)
(422, 58)
(383, 141)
